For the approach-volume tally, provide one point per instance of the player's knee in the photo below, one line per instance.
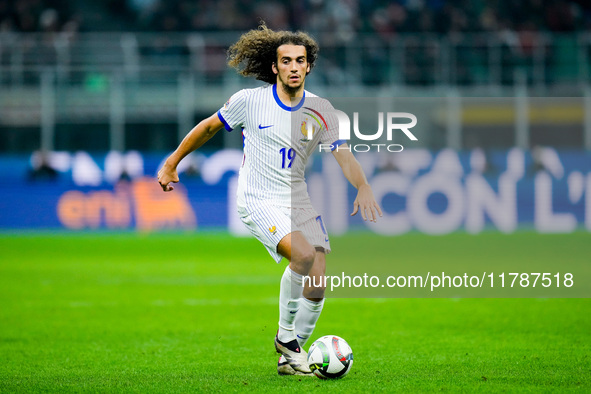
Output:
(308, 257)
(315, 292)
(304, 259)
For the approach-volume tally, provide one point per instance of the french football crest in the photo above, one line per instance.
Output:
(313, 123)
(308, 130)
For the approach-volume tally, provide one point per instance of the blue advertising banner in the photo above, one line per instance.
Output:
(432, 192)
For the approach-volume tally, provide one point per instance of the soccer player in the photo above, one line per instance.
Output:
(273, 201)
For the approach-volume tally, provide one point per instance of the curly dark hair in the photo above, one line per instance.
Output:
(255, 52)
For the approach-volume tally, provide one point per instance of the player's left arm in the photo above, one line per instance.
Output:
(365, 201)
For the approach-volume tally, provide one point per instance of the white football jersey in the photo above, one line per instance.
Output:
(278, 140)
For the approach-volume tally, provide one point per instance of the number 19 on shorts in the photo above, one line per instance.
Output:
(287, 157)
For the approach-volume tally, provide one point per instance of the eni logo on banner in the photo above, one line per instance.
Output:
(141, 199)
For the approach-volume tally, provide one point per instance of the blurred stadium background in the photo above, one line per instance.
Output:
(93, 96)
(97, 92)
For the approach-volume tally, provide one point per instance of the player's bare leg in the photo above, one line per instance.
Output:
(296, 248)
(301, 256)
(314, 289)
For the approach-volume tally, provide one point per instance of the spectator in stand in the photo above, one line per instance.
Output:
(345, 18)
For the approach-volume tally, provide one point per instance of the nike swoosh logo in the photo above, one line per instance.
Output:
(264, 127)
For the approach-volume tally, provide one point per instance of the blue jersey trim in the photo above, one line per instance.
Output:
(337, 143)
(285, 107)
(226, 125)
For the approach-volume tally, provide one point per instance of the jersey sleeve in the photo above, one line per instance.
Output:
(330, 132)
(233, 113)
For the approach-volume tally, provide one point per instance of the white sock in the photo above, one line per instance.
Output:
(306, 319)
(289, 303)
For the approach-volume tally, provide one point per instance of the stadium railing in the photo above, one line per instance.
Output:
(116, 79)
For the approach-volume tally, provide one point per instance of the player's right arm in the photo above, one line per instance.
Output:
(198, 136)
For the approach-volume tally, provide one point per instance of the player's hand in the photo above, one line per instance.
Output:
(366, 204)
(166, 176)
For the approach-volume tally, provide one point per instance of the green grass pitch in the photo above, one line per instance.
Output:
(198, 312)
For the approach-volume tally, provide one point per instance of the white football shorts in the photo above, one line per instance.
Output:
(270, 223)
